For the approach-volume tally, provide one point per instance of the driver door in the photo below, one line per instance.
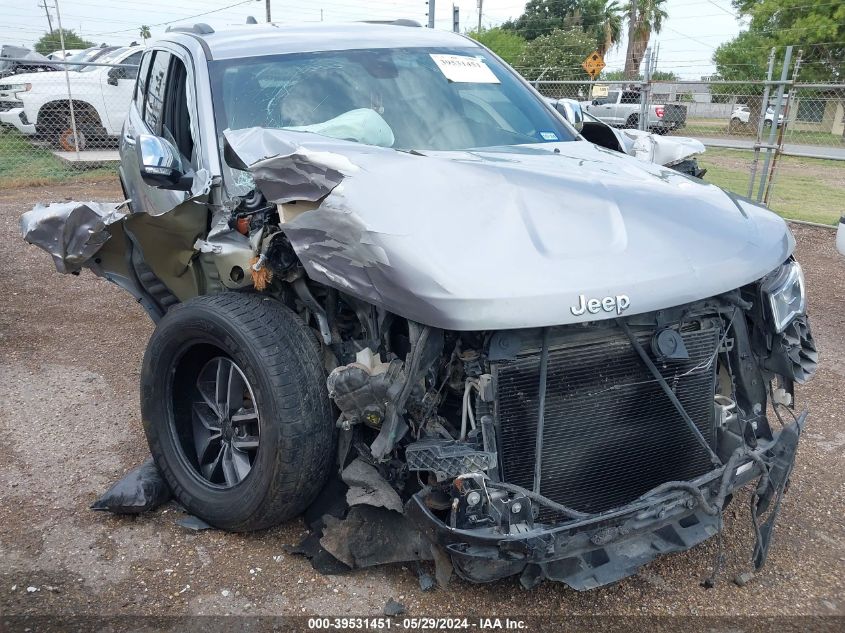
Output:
(164, 105)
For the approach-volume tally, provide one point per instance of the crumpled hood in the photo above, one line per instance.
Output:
(508, 238)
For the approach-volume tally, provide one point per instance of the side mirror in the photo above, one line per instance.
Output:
(115, 74)
(160, 164)
(572, 112)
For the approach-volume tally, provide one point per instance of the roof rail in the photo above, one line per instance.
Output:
(200, 28)
(399, 22)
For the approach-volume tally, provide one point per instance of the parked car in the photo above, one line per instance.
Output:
(742, 115)
(64, 55)
(101, 96)
(16, 60)
(621, 108)
(93, 54)
(375, 248)
(678, 152)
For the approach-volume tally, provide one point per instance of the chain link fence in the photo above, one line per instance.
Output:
(777, 140)
(58, 125)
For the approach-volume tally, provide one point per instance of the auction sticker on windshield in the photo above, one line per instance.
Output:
(464, 69)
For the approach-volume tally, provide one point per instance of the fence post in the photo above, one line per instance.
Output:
(644, 93)
(764, 108)
(784, 73)
(789, 98)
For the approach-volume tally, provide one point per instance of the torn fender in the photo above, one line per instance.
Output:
(71, 232)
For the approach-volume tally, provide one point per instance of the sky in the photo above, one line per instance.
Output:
(686, 44)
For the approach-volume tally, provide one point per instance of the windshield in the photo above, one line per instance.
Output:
(104, 59)
(413, 98)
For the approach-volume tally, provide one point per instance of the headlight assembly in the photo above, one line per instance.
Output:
(785, 292)
(16, 87)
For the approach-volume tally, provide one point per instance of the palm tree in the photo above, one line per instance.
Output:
(603, 19)
(145, 33)
(650, 15)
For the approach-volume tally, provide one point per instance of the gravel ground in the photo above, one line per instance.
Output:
(70, 352)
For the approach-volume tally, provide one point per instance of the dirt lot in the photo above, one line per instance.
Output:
(70, 352)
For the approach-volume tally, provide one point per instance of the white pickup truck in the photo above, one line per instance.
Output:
(101, 96)
(621, 108)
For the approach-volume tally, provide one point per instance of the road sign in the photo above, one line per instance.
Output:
(593, 64)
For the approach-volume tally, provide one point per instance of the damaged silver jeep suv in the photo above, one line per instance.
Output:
(377, 258)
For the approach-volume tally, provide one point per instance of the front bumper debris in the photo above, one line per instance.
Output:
(604, 548)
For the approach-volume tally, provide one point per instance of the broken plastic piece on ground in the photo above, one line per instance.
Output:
(740, 580)
(367, 486)
(141, 490)
(196, 524)
(393, 608)
(322, 562)
(373, 536)
(427, 582)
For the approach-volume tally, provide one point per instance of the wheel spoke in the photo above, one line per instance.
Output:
(211, 470)
(246, 443)
(207, 386)
(235, 465)
(244, 415)
(206, 437)
(221, 384)
(207, 416)
(235, 390)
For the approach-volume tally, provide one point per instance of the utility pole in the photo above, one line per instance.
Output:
(480, 8)
(431, 14)
(456, 18)
(67, 82)
(49, 19)
(267, 5)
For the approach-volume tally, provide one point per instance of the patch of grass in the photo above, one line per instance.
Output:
(23, 164)
(804, 188)
(718, 128)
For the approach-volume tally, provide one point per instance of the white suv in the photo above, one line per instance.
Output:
(742, 114)
(101, 96)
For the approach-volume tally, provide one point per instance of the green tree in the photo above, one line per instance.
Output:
(818, 28)
(603, 20)
(541, 17)
(50, 42)
(649, 19)
(657, 75)
(506, 44)
(144, 33)
(556, 56)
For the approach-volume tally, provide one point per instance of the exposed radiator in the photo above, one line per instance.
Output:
(610, 432)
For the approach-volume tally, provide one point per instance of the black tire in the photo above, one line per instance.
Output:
(633, 122)
(283, 371)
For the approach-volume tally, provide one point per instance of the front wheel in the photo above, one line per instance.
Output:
(68, 141)
(236, 411)
(633, 122)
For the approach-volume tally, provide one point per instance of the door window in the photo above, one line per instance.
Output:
(156, 85)
(176, 115)
(143, 77)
